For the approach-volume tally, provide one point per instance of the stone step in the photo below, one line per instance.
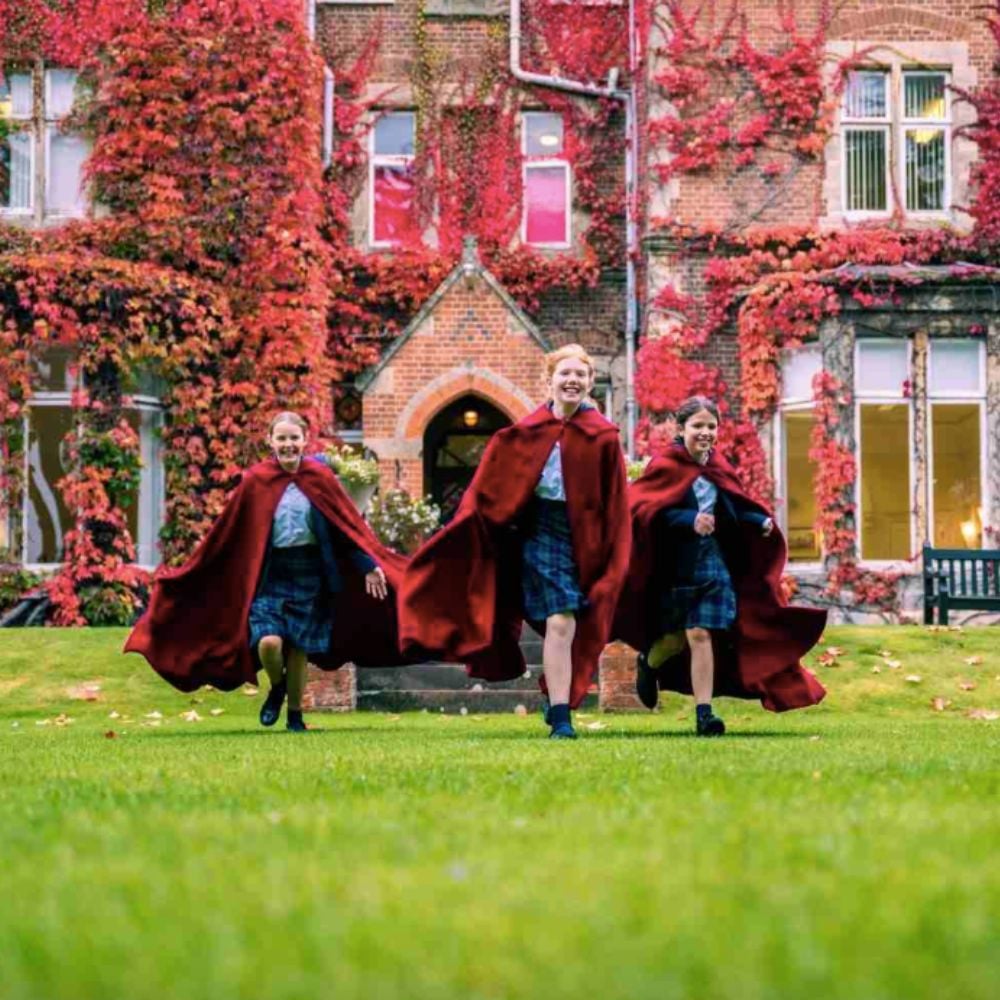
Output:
(452, 702)
(436, 677)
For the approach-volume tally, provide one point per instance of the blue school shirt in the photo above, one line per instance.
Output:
(291, 525)
(550, 484)
(706, 493)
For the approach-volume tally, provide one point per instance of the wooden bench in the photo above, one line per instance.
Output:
(960, 579)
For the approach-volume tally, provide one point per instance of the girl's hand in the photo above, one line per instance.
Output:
(375, 584)
(704, 524)
(767, 527)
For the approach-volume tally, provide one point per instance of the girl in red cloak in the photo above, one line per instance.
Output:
(703, 600)
(541, 534)
(287, 561)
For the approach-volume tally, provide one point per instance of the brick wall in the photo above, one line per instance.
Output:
(470, 342)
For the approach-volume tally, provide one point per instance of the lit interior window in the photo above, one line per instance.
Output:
(885, 481)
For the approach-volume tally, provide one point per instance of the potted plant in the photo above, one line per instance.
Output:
(402, 522)
(357, 473)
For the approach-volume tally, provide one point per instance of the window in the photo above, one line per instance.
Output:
(392, 185)
(796, 470)
(883, 431)
(956, 392)
(48, 421)
(896, 124)
(65, 152)
(546, 221)
(17, 145)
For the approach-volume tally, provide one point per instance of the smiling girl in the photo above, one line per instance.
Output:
(542, 535)
(288, 574)
(703, 600)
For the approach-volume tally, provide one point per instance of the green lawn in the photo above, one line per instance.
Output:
(847, 851)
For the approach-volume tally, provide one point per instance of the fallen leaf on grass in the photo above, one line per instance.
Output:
(154, 714)
(972, 661)
(913, 678)
(114, 715)
(250, 691)
(894, 664)
(940, 704)
(217, 711)
(62, 719)
(596, 725)
(84, 692)
(886, 654)
(394, 718)
(43, 722)
(986, 714)
(835, 650)
(521, 710)
(814, 739)
(967, 685)
(153, 722)
(191, 716)
(934, 628)
(876, 670)
(954, 628)
(110, 734)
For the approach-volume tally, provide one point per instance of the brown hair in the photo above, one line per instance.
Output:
(287, 417)
(553, 358)
(693, 405)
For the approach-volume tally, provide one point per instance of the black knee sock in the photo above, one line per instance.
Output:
(558, 714)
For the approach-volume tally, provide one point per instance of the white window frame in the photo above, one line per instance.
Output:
(548, 162)
(51, 124)
(876, 397)
(33, 156)
(909, 124)
(151, 498)
(957, 397)
(384, 160)
(792, 404)
(868, 124)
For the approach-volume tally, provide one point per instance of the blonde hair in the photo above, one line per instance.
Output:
(287, 417)
(553, 358)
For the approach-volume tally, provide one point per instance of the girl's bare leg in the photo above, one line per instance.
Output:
(271, 652)
(557, 656)
(702, 664)
(298, 663)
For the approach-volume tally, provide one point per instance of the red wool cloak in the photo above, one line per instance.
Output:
(760, 657)
(461, 595)
(195, 630)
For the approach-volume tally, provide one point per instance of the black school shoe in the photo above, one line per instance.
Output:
(295, 723)
(271, 709)
(647, 687)
(710, 725)
(560, 719)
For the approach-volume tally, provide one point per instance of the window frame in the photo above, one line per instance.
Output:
(792, 404)
(151, 498)
(910, 124)
(854, 123)
(30, 132)
(376, 160)
(884, 397)
(957, 398)
(545, 162)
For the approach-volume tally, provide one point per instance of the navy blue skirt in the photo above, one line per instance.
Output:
(549, 581)
(706, 600)
(291, 601)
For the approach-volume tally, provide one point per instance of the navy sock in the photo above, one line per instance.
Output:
(703, 711)
(295, 715)
(558, 714)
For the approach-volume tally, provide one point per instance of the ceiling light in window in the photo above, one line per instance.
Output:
(549, 139)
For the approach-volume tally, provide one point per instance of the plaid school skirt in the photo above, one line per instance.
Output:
(290, 601)
(548, 572)
(707, 600)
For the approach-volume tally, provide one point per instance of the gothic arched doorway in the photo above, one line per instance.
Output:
(454, 443)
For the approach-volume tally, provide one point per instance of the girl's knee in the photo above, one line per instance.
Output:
(270, 644)
(698, 636)
(560, 626)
